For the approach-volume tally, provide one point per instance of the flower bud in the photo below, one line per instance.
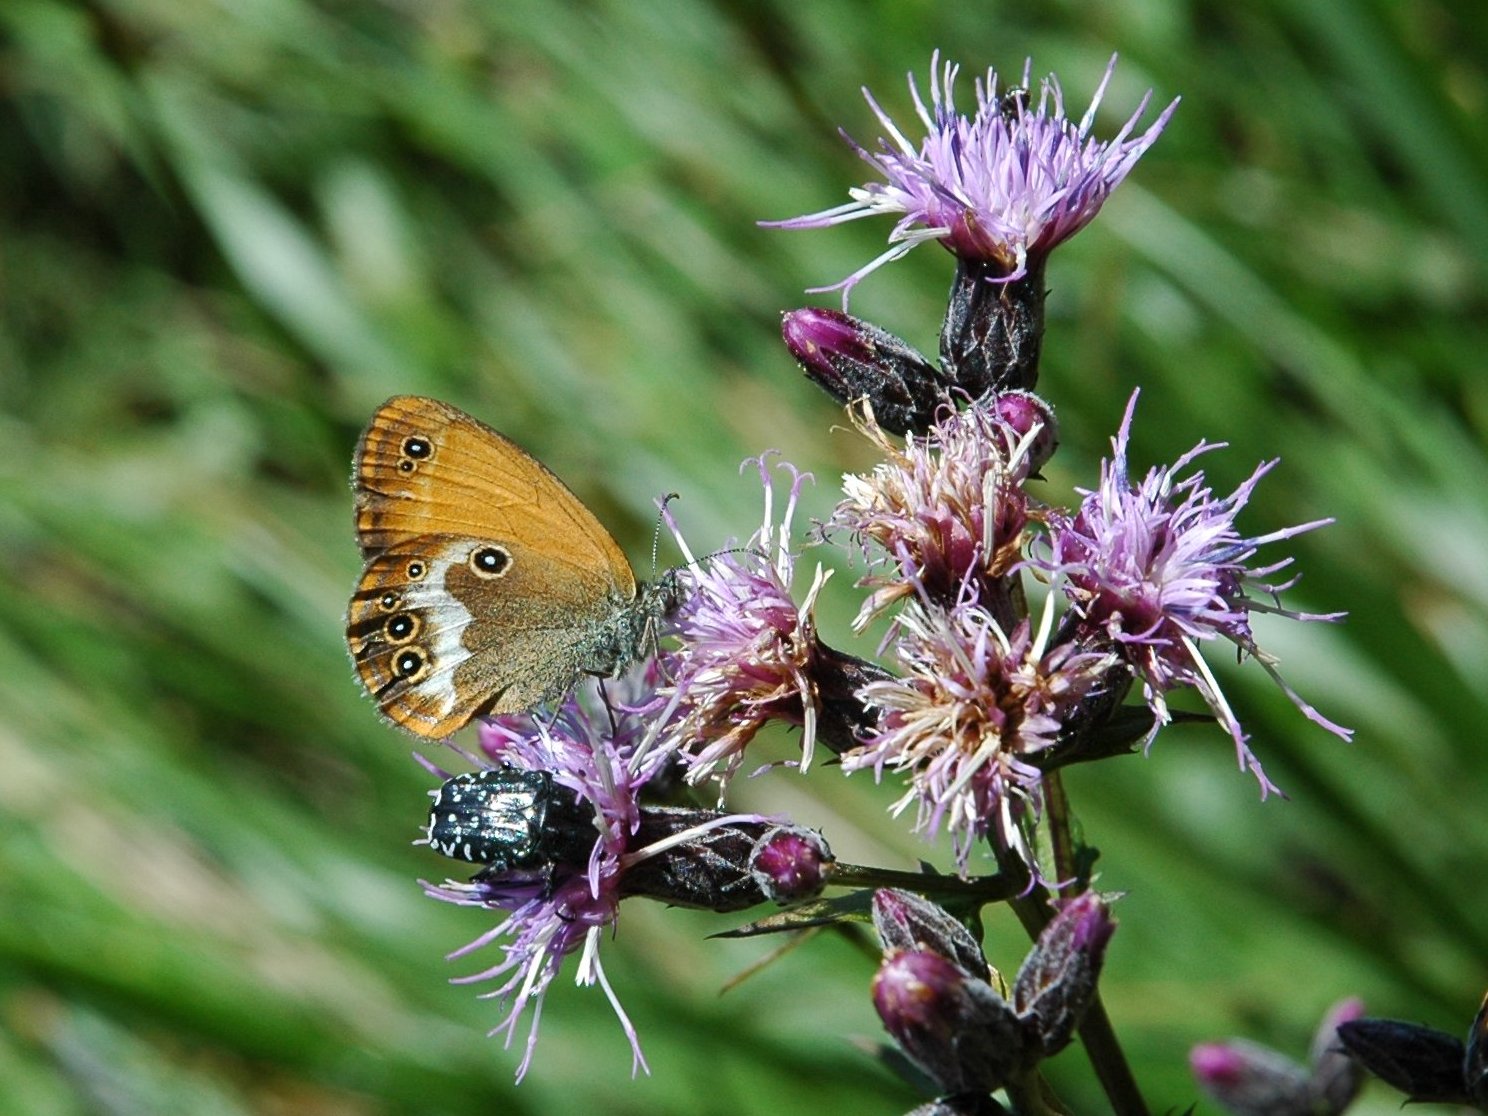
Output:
(952, 1025)
(851, 359)
(838, 678)
(993, 328)
(1058, 978)
(1022, 411)
(789, 863)
(906, 921)
(708, 869)
(1423, 1063)
(1251, 1080)
(1336, 1078)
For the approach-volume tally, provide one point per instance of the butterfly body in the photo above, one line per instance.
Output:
(488, 587)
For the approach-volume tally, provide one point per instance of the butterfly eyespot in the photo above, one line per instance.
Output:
(416, 570)
(407, 465)
(408, 664)
(420, 449)
(402, 627)
(388, 601)
(489, 561)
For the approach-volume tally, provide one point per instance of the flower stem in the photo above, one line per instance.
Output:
(1032, 907)
(978, 889)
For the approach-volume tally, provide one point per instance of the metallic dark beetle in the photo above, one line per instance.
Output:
(509, 820)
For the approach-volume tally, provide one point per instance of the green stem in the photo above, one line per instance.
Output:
(979, 889)
(1058, 826)
(1034, 912)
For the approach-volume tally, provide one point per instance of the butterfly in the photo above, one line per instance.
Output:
(487, 586)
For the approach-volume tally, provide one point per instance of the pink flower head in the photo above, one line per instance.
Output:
(1157, 567)
(744, 648)
(972, 708)
(558, 913)
(946, 513)
(1004, 186)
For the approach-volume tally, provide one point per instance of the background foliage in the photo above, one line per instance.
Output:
(228, 231)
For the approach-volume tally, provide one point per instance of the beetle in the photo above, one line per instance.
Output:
(511, 820)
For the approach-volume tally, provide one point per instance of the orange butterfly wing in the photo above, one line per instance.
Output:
(487, 586)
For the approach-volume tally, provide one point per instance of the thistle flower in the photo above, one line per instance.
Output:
(1003, 187)
(594, 753)
(1157, 567)
(745, 649)
(974, 706)
(946, 513)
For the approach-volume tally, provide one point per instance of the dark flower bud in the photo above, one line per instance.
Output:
(789, 863)
(842, 719)
(994, 328)
(1058, 978)
(1423, 1063)
(1251, 1080)
(953, 1026)
(852, 359)
(1475, 1067)
(906, 921)
(709, 869)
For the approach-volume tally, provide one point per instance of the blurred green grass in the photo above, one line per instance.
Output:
(228, 231)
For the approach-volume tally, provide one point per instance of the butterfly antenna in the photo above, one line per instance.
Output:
(660, 522)
(756, 551)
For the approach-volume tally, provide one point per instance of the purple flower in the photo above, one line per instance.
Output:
(1004, 187)
(946, 513)
(1158, 568)
(566, 909)
(745, 650)
(974, 705)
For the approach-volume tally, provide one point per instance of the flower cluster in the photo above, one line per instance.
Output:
(946, 514)
(979, 695)
(1248, 1079)
(935, 995)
